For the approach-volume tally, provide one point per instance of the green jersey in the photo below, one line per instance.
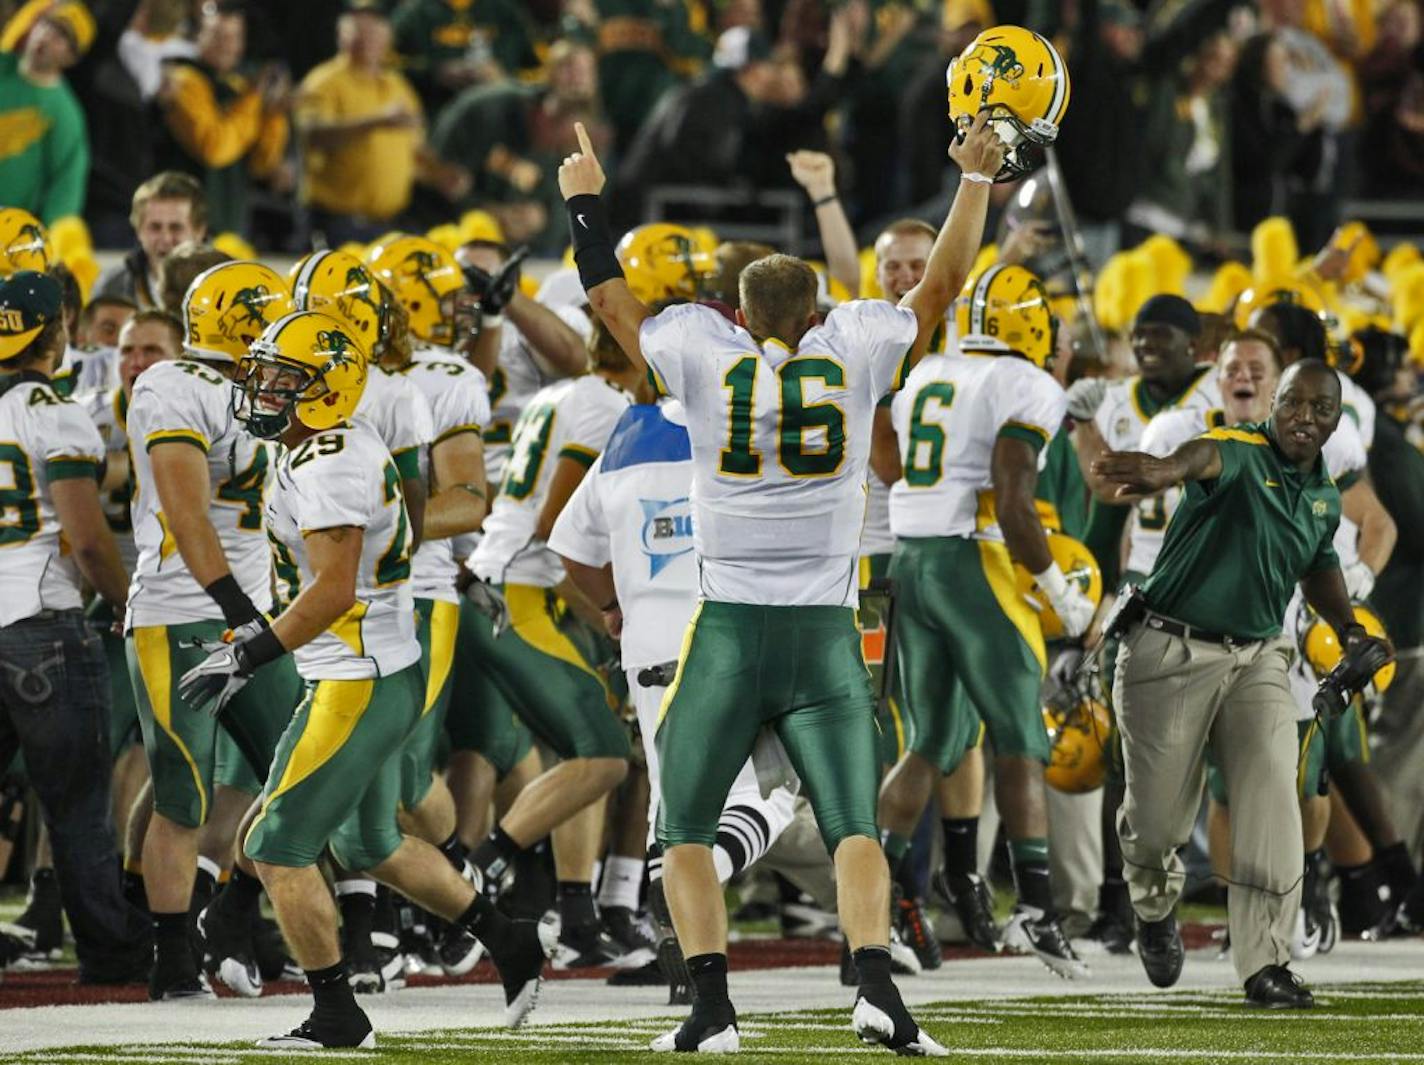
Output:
(44, 149)
(1237, 545)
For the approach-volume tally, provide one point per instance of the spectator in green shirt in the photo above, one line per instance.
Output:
(449, 45)
(44, 146)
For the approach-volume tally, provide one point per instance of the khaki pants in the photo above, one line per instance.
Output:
(1175, 697)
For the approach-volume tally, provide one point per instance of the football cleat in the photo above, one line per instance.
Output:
(590, 947)
(325, 1032)
(178, 987)
(912, 926)
(880, 1017)
(903, 959)
(1108, 934)
(1030, 931)
(624, 928)
(646, 975)
(521, 968)
(44, 916)
(229, 953)
(709, 1029)
(459, 951)
(803, 919)
(969, 895)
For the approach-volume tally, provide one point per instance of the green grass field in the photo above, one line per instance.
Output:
(1352, 1023)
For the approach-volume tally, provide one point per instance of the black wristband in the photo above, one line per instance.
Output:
(259, 650)
(592, 240)
(832, 198)
(237, 609)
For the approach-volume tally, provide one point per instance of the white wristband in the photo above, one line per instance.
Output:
(1052, 581)
(492, 321)
(983, 179)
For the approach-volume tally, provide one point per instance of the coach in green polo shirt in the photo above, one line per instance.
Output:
(1206, 667)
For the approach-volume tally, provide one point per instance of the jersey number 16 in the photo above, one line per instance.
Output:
(740, 458)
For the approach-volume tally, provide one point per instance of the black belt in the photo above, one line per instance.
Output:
(1191, 632)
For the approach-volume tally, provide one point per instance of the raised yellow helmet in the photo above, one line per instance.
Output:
(1321, 647)
(341, 285)
(1077, 564)
(306, 366)
(1018, 75)
(229, 305)
(663, 261)
(1277, 290)
(425, 279)
(24, 242)
(1006, 309)
(1078, 735)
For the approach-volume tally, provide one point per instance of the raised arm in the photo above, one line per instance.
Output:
(816, 173)
(580, 181)
(979, 156)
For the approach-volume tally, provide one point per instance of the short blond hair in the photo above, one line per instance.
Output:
(172, 185)
(778, 297)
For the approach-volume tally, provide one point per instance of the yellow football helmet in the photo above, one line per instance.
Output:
(663, 261)
(1277, 290)
(342, 286)
(425, 279)
(24, 243)
(1078, 734)
(1321, 647)
(1006, 309)
(229, 305)
(1020, 78)
(305, 366)
(1077, 564)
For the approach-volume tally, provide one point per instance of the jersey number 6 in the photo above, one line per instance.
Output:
(740, 457)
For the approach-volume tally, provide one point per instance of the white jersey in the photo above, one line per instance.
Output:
(43, 438)
(780, 444)
(346, 477)
(88, 369)
(187, 402)
(1359, 407)
(1344, 454)
(108, 409)
(1127, 406)
(633, 510)
(459, 403)
(948, 418)
(569, 419)
(398, 413)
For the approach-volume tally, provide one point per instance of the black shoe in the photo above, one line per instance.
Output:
(15, 942)
(587, 947)
(669, 951)
(374, 963)
(1159, 945)
(228, 951)
(1031, 931)
(916, 932)
(459, 951)
(880, 1017)
(44, 915)
(324, 1031)
(970, 897)
(520, 962)
(273, 961)
(625, 929)
(1277, 988)
(1108, 934)
(649, 975)
(174, 984)
(709, 1029)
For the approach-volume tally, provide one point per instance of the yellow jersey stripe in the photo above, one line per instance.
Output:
(176, 436)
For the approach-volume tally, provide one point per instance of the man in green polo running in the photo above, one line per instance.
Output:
(1205, 666)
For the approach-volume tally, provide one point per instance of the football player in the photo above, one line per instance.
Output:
(203, 568)
(626, 542)
(54, 694)
(337, 518)
(780, 473)
(971, 424)
(559, 694)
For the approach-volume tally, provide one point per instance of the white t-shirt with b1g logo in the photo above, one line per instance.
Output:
(633, 510)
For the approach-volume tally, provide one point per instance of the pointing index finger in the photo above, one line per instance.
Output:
(585, 145)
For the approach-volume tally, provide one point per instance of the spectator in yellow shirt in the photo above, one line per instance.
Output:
(221, 126)
(363, 135)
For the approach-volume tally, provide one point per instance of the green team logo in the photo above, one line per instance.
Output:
(418, 266)
(359, 289)
(996, 63)
(340, 349)
(245, 317)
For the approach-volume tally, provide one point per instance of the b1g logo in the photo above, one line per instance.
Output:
(667, 531)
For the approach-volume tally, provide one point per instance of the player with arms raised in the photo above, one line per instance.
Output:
(779, 412)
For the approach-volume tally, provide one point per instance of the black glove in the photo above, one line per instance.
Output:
(490, 602)
(494, 291)
(1364, 657)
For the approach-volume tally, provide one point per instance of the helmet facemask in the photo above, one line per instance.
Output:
(267, 389)
(1025, 143)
